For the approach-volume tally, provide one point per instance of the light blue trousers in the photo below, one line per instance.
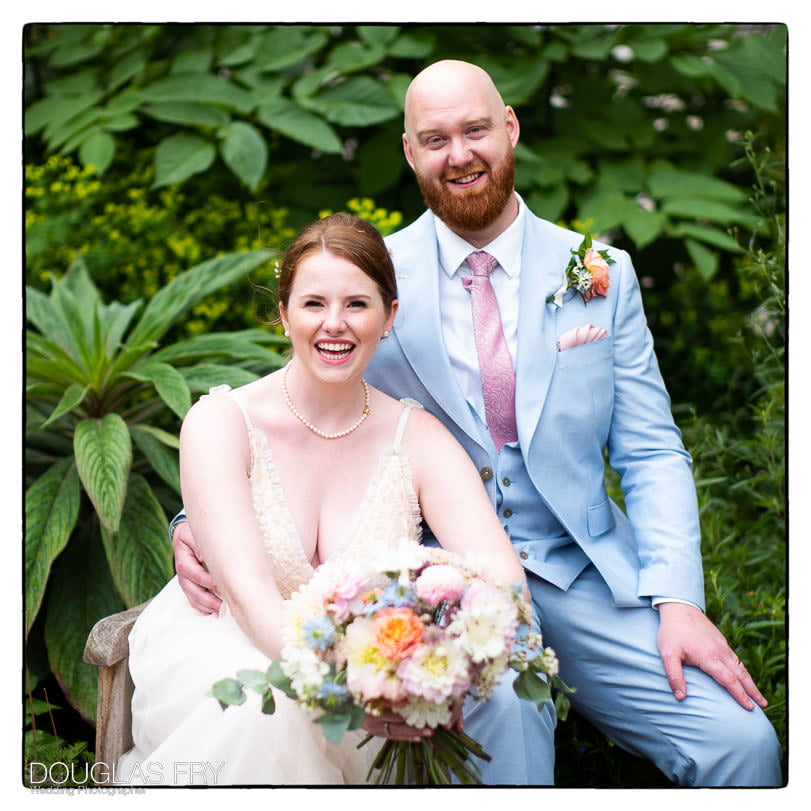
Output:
(610, 656)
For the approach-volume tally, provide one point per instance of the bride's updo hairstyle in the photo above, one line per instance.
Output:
(348, 237)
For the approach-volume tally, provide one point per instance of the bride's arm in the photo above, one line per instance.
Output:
(214, 460)
(453, 499)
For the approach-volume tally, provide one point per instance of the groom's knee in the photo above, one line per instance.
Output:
(519, 737)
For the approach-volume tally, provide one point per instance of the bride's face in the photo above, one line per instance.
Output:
(335, 315)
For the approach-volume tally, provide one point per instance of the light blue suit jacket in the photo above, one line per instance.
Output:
(571, 406)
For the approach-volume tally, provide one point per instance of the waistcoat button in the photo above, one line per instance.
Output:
(486, 474)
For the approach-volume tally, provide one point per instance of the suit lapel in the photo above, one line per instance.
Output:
(418, 325)
(543, 260)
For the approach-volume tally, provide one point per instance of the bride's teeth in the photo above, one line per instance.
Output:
(338, 351)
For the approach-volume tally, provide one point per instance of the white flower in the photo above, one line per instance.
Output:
(436, 672)
(420, 712)
(304, 669)
(486, 623)
(550, 661)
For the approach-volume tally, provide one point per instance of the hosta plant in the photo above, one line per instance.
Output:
(105, 394)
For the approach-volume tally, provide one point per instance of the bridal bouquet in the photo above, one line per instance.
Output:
(415, 631)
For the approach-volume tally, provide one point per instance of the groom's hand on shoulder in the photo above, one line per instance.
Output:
(195, 581)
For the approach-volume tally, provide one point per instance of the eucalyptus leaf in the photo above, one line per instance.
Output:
(228, 692)
(256, 680)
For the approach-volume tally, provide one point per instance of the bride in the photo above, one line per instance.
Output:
(277, 477)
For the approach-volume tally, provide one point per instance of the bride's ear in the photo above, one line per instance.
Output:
(390, 320)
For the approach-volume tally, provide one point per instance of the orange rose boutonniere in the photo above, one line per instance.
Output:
(587, 273)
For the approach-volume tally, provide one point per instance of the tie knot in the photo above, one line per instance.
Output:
(481, 263)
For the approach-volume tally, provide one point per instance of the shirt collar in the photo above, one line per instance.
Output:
(506, 247)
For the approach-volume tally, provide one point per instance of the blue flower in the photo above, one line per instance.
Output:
(319, 633)
(393, 596)
(332, 690)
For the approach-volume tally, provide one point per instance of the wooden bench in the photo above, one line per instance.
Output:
(107, 648)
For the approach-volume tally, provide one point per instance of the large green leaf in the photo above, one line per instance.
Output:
(204, 376)
(242, 345)
(70, 399)
(103, 451)
(160, 449)
(178, 157)
(199, 87)
(244, 151)
(185, 290)
(139, 553)
(193, 113)
(705, 233)
(51, 510)
(356, 102)
(82, 592)
(287, 117)
(98, 150)
(169, 383)
(286, 45)
(666, 180)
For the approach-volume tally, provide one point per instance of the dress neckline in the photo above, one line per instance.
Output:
(292, 532)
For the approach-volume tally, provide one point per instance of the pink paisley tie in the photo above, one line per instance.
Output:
(498, 377)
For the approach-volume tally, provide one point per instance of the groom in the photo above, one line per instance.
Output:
(619, 598)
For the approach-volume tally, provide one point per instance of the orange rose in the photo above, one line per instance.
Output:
(399, 632)
(598, 268)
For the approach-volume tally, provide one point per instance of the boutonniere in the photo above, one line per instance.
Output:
(587, 273)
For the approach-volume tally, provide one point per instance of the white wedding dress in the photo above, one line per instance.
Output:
(181, 735)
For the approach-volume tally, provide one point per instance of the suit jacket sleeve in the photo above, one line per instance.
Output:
(645, 448)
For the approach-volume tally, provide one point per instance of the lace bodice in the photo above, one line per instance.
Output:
(389, 511)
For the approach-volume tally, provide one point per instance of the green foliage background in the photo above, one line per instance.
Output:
(151, 150)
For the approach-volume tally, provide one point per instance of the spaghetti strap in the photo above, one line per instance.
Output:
(242, 408)
(408, 405)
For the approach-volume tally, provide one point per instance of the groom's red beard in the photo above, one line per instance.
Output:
(474, 209)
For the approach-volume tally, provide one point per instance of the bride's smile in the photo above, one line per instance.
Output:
(335, 317)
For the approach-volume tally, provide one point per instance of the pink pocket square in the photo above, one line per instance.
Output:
(580, 335)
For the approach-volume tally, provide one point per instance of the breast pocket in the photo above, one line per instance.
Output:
(595, 352)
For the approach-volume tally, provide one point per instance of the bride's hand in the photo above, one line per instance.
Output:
(391, 725)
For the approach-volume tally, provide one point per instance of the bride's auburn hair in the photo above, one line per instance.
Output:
(348, 237)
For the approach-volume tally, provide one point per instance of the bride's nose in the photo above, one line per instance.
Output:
(334, 320)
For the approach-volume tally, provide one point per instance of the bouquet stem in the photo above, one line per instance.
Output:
(434, 761)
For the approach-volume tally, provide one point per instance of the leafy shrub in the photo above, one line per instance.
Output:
(633, 125)
(134, 241)
(104, 398)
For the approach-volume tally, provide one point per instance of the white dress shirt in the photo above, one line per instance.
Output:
(454, 300)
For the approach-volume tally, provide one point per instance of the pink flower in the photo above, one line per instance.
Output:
(438, 583)
(598, 267)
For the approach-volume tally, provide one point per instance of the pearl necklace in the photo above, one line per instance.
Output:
(307, 424)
